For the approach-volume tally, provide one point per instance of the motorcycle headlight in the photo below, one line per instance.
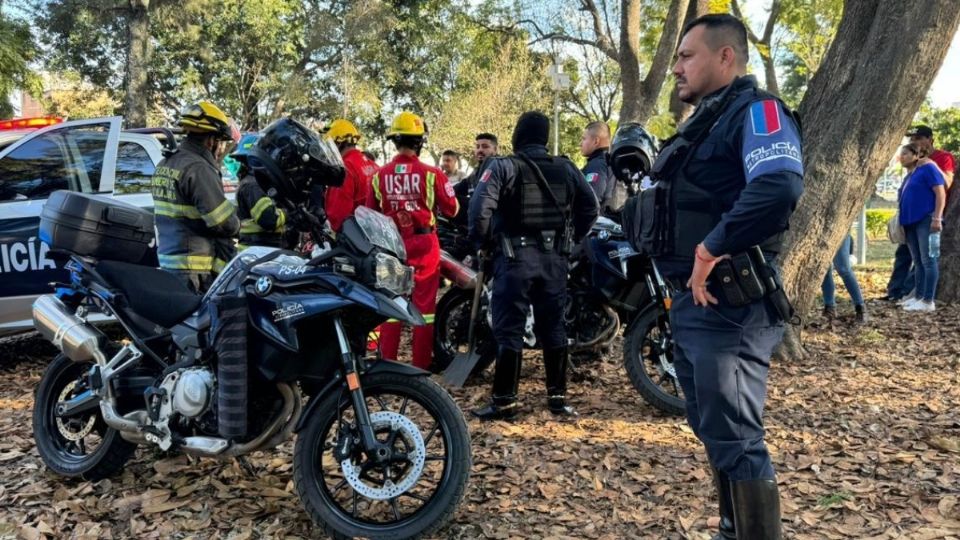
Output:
(393, 275)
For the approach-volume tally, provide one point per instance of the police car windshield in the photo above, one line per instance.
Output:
(380, 231)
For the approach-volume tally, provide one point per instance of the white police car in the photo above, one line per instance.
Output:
(92, 156)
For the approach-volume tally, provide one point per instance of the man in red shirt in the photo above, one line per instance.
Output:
(408, 190)
(340, 202)
(922, 136)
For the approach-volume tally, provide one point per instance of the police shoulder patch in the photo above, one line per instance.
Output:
(765, 117)
(593, 177)
(486, 175)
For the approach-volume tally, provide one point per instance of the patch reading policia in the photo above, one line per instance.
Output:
(771, 142)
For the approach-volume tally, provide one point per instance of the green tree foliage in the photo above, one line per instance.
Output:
(945, 123)
(809, 27)
(17, 51)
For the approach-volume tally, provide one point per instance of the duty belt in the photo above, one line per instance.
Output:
(424, 230)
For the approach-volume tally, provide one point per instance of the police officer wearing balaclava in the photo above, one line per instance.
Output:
(725, 188)
(528, 211)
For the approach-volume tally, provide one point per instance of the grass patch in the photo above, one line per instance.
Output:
(871, 336)
(834, 499)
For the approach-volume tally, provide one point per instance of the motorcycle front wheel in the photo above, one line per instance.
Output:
(648, 359)
(410, 494)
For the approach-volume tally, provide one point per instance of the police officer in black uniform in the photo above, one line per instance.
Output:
(529, 210)
(726, 186)
(595, 146)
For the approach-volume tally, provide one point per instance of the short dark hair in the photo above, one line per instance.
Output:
(449, 152)
(723, 29)
(487, 136)
(598, 127)
(915, 149)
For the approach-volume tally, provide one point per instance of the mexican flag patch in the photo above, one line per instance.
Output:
(402, 168)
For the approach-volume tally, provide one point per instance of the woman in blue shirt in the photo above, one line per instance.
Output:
(921, 212)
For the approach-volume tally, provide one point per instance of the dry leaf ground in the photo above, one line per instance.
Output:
(865, 435)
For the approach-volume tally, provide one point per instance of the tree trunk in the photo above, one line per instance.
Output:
(770, 71)
(679, 109)
(854, 116)
(948, 290)
(136, 102)
(640, 97)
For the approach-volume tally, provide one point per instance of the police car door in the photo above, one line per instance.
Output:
(80, 156)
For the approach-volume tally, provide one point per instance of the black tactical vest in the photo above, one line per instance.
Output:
(676, 214)
(530, 208)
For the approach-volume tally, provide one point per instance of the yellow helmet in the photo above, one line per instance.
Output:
(205, 117)
(343, 131)
(408, 124)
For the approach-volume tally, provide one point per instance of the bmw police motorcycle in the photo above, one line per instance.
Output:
(274, 348)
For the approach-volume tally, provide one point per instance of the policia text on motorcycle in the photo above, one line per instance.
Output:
(195, 222)
(726, 185)
(529, 210)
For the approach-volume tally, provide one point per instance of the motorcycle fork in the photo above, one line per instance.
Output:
(370, 444)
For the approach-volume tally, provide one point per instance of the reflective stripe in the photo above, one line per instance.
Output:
(429, 318)
(431, 196)
(376, 186)
(260, 207)
(197, 263)
(219, 265)
(219, 214)
(174, 210)
(392, 321)
(281, 219)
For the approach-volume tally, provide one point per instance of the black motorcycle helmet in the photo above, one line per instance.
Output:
(291, 158)
(632, 152)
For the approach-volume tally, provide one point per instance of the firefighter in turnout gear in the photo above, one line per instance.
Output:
(409, 191)
(262, 223)
(530, 209)
(340, 202)
(196, 225)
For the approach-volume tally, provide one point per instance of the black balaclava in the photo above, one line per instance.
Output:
(533, 127)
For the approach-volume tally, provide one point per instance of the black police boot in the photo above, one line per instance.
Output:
(506, 382)
(756, 510)
(555, 363)
(861, 317)
(722, 482)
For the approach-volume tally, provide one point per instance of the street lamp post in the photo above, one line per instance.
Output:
(559, 81)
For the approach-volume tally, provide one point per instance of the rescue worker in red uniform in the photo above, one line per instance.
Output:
(408, 191)
(340, 202)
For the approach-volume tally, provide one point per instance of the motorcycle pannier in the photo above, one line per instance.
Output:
(94, 226)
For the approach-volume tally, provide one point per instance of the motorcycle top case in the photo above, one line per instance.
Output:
(98, 227)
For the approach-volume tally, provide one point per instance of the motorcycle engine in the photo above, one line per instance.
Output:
(193, 392)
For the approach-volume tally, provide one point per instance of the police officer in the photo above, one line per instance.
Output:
(529, 209)
(726, 186)
(595, 145)
(485, 146)
(262, 222)
(196, 225)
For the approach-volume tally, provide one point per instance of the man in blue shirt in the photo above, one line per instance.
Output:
(726, 186)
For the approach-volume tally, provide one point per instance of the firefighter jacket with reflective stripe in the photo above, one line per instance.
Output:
(408, 191)
(340, 202)
(195, 222)
(261, 222)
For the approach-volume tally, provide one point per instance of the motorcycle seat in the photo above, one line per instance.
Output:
(154, 294)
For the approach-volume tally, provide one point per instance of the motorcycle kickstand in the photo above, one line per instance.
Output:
(246, 465)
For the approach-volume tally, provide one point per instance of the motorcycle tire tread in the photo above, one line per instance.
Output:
(312, 501)
(115, 450)
(633, 362)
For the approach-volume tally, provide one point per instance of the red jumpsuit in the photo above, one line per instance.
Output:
(408, 191)
(340, 202)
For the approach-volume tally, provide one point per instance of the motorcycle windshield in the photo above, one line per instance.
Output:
(381, 231)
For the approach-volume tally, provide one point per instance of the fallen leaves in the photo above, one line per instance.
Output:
(864, 435)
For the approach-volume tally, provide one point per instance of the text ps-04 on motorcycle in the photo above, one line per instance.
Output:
(382, 451)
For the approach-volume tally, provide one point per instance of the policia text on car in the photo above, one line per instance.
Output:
(529, 210)
(725, 187)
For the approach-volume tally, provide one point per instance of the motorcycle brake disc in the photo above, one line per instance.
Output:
(68, 432)
(411, 436)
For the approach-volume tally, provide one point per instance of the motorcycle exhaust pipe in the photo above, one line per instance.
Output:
(69, 333)
(460, 274)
